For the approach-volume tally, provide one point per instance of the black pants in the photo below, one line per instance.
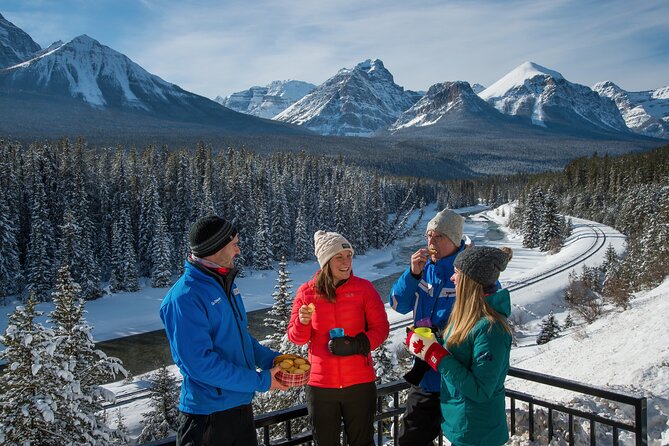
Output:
(232, 427)
(421, 423)
(356, 405)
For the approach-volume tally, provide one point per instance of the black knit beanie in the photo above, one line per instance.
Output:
(209, 234)
(483, 264)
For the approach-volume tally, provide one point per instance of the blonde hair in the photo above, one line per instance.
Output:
(325, 284)
(470, 306)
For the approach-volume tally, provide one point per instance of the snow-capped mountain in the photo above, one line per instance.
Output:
(450, 108)
(87, 72)
(545, 98)
(354, 102)
(441, 101)
(477, 88)
(94, 73)
(15, 45)
(267, 101)
(645, 112)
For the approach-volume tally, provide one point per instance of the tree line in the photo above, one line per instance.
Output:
(115, 215)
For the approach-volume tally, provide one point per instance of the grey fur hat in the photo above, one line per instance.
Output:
(483, 264)
(449, 223)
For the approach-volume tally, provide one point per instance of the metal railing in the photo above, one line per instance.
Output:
(639, 427)
(393, 411)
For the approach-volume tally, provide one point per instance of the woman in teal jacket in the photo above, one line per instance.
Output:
(475, 359)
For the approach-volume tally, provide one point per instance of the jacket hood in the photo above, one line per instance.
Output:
(501, 302)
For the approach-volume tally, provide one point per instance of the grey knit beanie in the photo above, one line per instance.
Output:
(483, 264)
(328, 244)
(210, 234)
(448, 223)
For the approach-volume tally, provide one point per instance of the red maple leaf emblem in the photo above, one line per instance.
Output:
(418, 346)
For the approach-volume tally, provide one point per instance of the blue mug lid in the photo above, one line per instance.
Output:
(336, 333)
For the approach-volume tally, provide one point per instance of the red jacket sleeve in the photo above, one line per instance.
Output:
(375, 317)
(298, 333)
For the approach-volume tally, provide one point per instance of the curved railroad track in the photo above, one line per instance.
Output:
(598, 243)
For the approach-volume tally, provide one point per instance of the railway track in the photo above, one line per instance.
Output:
(598, 243)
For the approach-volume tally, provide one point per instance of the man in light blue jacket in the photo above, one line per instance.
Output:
(205, 322)
(426, 289)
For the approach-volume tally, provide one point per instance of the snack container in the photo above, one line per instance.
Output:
(292, 379)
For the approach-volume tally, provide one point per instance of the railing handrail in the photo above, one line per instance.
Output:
(573, 385)
(639, 428)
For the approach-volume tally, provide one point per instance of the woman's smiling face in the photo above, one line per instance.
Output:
(340, 265)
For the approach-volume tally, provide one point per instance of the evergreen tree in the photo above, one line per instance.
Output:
(123, 261)
(39, 266)
(10, 268)
(550, 230)
(280, 229)
(278, 316)
(550, 329)
(121, 435)
(161, 275)
(611, 261)
(83, 367)
(386, 364)
(71, 253)
(532, 218)
(568, 321)
(163, 418)
(303, 244)
(30, 387)
(262, 250)
(277, 320)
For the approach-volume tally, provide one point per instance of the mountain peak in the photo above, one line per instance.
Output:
(517, 78)
(371, 65)
(355, 102)
(85, 40)
(530, 69)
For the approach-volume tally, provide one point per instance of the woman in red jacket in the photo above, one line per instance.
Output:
(341, 384)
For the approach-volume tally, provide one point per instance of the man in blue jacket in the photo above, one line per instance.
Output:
(206, 322)
(426, 289)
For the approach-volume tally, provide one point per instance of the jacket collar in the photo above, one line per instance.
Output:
(501, 302)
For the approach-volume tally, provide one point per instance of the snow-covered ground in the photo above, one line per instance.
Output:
(623, 351)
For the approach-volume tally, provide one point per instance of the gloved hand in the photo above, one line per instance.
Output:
(429, 350)
(347, 345)
(415, 375)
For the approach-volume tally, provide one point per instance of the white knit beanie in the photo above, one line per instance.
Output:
(448, 223)
(329, 244)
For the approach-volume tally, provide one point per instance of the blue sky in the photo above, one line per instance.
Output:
(219, 47)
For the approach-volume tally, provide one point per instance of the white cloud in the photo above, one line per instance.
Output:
(213, 48)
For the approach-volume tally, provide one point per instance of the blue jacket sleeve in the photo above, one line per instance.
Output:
(403, 293)
(194, 352)
(490, 359)
(264, 355)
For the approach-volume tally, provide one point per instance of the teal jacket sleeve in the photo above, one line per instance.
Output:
(403, 293)
(490, 362)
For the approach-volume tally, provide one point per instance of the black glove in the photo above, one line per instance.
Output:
(347, 345)
(415, 375)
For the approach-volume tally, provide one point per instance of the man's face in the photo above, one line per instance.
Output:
(439, 245)
(225, 257)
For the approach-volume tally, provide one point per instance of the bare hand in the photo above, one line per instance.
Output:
(418, 261)
(276, 385)
(305, 314)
